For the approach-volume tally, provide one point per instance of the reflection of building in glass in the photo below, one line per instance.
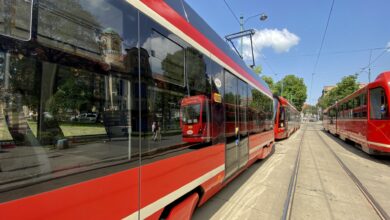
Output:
(111, 47)
(15, 18)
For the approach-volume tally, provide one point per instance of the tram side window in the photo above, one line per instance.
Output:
(363, 102)
(259, 104)
(166, 58)
(174, 77)
(216, 76)
(69, 104)
(87, 28)
(15, 18)
(378, 104)
(332, 115)
(345, 110)
(350, 108)
(230, 100)
(198, 81)
(243, 105)
(356, 107)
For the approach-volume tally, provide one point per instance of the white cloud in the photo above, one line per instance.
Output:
(388, 46)
(281, 41)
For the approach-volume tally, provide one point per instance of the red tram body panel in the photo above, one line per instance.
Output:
(142, 135)
(363, 116)
(287, 119)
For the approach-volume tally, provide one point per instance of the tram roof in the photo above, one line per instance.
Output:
(384, 76)
(195, 20)
(285, 102)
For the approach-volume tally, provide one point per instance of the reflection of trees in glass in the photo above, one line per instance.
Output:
(261, 103)
(196, 71)
(70, 95)
(173, 67)
(230, 98)
(164, 107)
(164, 104)
(24, 81)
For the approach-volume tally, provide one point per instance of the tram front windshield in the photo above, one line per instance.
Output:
(191, 114)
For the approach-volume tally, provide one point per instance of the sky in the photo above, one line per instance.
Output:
(289, 41)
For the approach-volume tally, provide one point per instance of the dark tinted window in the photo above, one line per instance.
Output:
(171, 72)
(66, 106)
(379, 107)
(198, 82)
(230, 99)
(243, 103)
(216, 77)
(166, 58)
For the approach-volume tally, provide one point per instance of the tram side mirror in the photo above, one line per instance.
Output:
(16, 18)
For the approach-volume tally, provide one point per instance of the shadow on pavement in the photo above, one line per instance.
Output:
(207, 211)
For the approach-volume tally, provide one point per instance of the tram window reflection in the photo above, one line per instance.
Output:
(378, 104)
(67, 106)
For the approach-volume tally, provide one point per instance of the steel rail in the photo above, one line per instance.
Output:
(287, 210)
(375, 205)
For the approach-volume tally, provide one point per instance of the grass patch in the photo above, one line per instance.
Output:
(74, 129)
(4, 133)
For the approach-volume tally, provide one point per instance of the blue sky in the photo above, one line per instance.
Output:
(289, 40)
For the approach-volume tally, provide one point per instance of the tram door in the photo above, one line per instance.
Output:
(236, 151)
(242, 119)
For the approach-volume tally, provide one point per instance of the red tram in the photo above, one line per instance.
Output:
(287, 118)
(177, 115)
(363, 116)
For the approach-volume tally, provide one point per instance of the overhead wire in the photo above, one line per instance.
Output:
(319, 53)
(372, 62)
(265, 60)
(336, 52)
(231, 11)
(238, 21)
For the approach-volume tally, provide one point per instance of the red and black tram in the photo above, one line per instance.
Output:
(363, 116)
(86, 86)
(287, 118)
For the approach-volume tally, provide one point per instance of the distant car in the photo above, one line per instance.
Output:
(48, 115)
(85, 117)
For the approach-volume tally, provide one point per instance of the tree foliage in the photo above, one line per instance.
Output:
(71, 95)
(269, 81)
(309, 110)
(257, 69)
(293, 88)
(345, 87)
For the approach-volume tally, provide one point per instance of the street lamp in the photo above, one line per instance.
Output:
(262, 17)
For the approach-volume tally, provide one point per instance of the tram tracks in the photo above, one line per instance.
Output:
(287, 210)
(288, 205)
(375, 205)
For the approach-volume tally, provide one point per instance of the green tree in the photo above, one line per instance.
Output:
(345, 87)
(71, 95)
(257, 69)
(309, 110)
(293, 88)
(269, 81)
